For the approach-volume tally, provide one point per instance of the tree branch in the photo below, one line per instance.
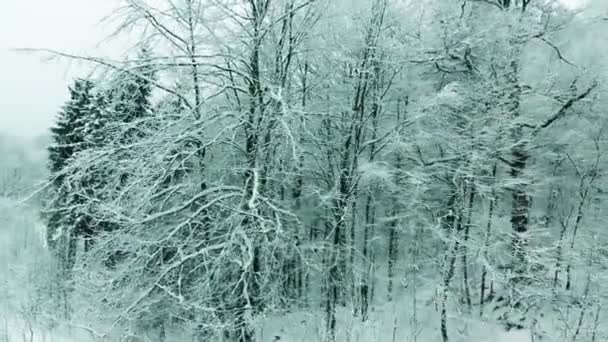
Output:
(113, 66)
(505, 161)
(564, 109)
(556, 49)
(489, 2)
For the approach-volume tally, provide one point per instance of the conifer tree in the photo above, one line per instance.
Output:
(95, 126)
(131, 91)
(64, 222)
(68, 133)
(68, 139)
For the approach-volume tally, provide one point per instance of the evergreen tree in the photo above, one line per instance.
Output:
(131, 91)
(129, 99)
(64, 222)
(95, 179)
(68, 139)
(95, 134)
(68, 133)
(87, 122)
(81, 126)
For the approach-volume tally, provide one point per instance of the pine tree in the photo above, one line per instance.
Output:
(81, 126)
(68, 133)
(64, 223)
(132, 90)
(95, 134)
(97, 137)
(68, 139)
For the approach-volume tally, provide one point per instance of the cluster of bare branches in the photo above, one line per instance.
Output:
(320, 155)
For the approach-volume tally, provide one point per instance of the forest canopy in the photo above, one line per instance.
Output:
(316, 170)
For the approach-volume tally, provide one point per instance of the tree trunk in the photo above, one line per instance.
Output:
(583, 193)
(450, 262)
(486, 244)
(446, 284)
(365, 286)
(559, 252)
(520, 211)
(465, 264)
(393, 239)
(393, 250)
(351, 255)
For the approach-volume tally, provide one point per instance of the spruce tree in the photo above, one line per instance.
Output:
(131, 91)
(68, 132)
(97, 138)
(130, 105)
(68, 136)
(64, 222)
(81, 126)
(95, 134)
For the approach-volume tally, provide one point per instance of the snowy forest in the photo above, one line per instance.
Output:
(318, 170)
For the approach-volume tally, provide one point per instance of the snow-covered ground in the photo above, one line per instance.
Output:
(14, 330)
(381, 327)
(295, 328)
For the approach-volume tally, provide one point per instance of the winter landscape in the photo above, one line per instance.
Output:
(305, 170)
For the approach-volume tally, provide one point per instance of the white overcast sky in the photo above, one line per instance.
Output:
(32, 90)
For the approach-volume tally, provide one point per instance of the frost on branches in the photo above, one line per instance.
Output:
(299, 170)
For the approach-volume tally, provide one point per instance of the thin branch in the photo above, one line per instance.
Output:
(434, 161)
(576, 169)
(113, 66)
(160, 27)
(489, 2)
(556, 49)
(506, 161)
(562, 111)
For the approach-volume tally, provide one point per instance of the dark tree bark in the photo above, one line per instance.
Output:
(465, 263)
(520, 210)
(450, 266)
(486, 245)
(349, 154)
(370, 217)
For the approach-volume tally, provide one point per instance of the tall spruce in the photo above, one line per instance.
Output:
(64, 221)
(131, 90)
(68, 136)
